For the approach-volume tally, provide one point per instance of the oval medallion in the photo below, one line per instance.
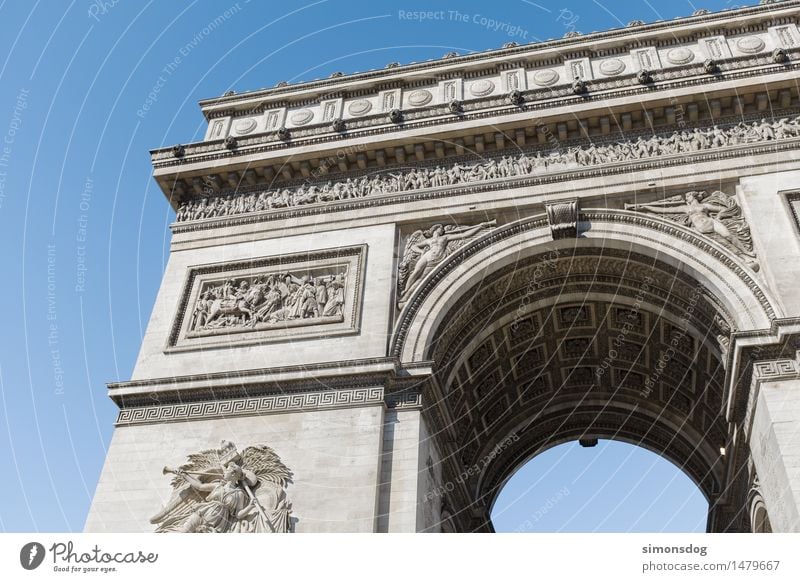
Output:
(481, 88)
(545, 77)
(302, 116)
(750, 44)
(612, 67)
(359, 107)
(420, 97)
(680, 56)
(244, 126)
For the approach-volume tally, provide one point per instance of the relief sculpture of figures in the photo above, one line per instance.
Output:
(263, 300)
(426, 249)
(522, 164)
(716, 215)
(222, 490)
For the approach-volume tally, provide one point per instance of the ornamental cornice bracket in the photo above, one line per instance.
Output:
(562, 216)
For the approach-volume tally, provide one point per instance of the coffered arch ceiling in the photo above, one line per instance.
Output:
(610, 345)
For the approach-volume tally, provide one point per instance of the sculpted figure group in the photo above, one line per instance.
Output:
(522, 164)
(266, 299)
(223, 490)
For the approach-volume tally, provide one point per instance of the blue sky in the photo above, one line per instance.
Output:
(85, 231)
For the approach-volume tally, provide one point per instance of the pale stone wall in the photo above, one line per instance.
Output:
(775, 446)
(431, 488)
(375, 305)
(774, 236)
(398, 505)
(334, 455)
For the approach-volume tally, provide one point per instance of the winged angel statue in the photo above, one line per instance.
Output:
(715, 215)
(222, 490)
(426, 249)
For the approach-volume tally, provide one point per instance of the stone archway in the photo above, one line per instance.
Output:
(620, 333)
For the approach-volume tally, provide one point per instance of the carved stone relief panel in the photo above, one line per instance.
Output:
(645, 58)
(331, 109)
(785, 36)
(715, 47)
(270, 299)
(514, 80)
(391, 99)
(425, 249)
(451, 89)
(274, 119)
(578, 69)
(218, 128)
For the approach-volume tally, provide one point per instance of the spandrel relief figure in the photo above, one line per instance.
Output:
(716, 215)
(222, 490)
(426, 249)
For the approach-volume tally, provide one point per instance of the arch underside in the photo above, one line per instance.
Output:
(585, 341)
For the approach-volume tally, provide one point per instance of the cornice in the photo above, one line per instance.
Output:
(595, 41)
(494, 107)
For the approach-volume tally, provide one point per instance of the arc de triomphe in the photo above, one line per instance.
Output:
(388, 290)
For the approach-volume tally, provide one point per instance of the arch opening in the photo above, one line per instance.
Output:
(536, 342)
(610, 486)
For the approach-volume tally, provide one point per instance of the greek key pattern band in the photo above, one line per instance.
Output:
(250, 406)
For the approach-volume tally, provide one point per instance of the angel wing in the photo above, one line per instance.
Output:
(266, 464)
(409, 260)
(731, 216)
(208, 467)
(273, 476)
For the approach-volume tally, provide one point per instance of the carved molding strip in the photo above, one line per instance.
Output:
(404, 399)
(701, 242)
(775, 370)
(525, 169)
(251, 406)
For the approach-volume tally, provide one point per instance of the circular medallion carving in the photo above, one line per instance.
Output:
(750, 44)
(420, 97)
(481, 88)
(612, 67)
(680, 56)
(359, 107)
(244, 126)
(545, 77)
(302, 116)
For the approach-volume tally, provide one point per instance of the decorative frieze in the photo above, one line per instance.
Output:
(540, 161)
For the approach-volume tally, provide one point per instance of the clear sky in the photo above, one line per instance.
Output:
(84, 229)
